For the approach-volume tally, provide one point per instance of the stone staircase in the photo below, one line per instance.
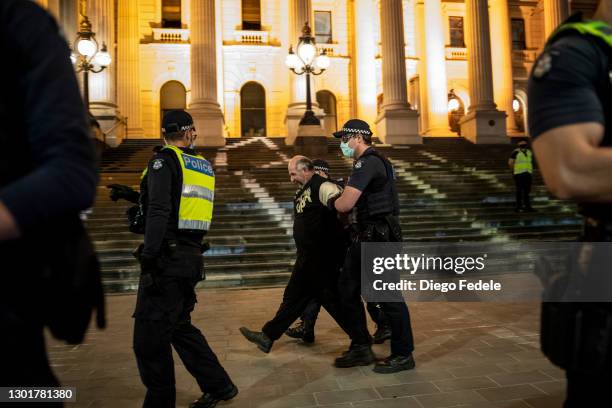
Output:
(450, 190)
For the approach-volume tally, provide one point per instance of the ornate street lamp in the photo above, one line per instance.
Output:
(306, 61)
(87, 56)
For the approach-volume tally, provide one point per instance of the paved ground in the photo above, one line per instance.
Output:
(467, 354)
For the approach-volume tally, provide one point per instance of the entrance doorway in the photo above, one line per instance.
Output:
(327, 102)
(172, 96)
(252, 110)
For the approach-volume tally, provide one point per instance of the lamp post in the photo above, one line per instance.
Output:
(87, 56)
(306, 61)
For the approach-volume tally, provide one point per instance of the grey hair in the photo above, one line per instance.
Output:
(304, 163)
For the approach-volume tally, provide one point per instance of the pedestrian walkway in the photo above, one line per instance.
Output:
(467, 354)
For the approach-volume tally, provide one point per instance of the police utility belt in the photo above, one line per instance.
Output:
(383, 229)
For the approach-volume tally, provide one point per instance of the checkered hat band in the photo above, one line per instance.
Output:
(351, 130)
(182, 129)
(325, 169)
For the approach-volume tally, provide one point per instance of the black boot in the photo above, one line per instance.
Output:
(394, 364)
(297, 331)
(308, 335)
(262, 341)
(356, 355)
(382, 334)
(210, 400)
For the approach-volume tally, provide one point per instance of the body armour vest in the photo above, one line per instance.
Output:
(379, 199)
(197, 191)
(601, 34)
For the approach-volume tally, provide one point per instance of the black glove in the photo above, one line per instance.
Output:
(331, 202)
(122, 192)
(149, 270)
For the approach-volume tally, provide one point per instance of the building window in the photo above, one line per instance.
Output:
(171, 13)
(251, 15)
(518, 34)
(323, 27)
(456, 32)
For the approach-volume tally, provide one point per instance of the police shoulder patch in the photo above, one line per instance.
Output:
(358, 164)
(543, 65)
(157, 164)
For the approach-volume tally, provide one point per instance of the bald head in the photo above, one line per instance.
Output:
(300, 169)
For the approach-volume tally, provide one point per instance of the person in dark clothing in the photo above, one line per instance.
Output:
(371, 193)
(319, 241)
(47, 173)
(304, 329)
(521, 165)
(177, 194)
(570, 109)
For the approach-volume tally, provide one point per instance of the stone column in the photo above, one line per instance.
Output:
(396, 123)
(102, 85)
(69, 19)
(483, 122)
(364, 60)
(128, 65)
(204, 106)
(501, 53)
(555, 12)
(301, 11)
(435, 68)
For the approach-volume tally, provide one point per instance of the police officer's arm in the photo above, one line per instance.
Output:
(159, 192)
(64, 176)
(572, 163)
(566, 119)
(512, 159)
(363, 173)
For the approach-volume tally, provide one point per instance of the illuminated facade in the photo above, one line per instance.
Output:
(462, 69)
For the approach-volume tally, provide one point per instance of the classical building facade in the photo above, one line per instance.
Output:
(411, 68)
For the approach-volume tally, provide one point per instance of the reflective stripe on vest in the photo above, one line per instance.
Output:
(597, 29)
(197, 192)
(523, 162)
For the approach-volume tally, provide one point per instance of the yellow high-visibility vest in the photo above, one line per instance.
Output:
(523, 162)
(197, 192)
(594, 28)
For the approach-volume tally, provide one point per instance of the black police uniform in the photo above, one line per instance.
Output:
(376, 210)
(571, 83)
(318, 237)
(167, 297)
(46, 172)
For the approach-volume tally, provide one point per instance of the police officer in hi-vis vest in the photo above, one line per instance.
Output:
(177, 195)
(521, 164)
(570, 115)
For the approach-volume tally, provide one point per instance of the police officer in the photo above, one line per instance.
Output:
(177, 197)
(570, 114)
(47, 176)
(371, 192)
(318, 239)
(521, 164)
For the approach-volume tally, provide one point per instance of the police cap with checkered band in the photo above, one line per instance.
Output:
(354, 127)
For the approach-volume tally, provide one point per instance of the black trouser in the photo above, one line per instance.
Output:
(402, 342)
(374, 310)
(312, 278)
(164, 320)
(584, 390)
(523, 189)
(23, 357)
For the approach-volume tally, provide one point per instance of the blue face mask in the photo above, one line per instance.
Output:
(346, 150)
